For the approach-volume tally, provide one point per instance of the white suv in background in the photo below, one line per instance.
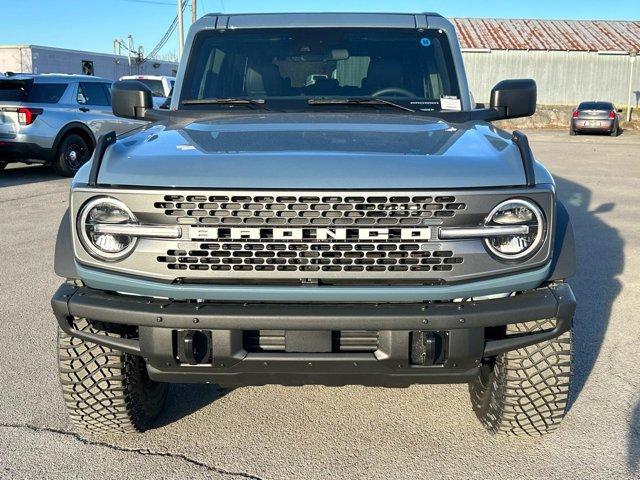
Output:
(159, 85)
(55, 119)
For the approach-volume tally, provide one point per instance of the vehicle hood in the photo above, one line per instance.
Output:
(314, 151)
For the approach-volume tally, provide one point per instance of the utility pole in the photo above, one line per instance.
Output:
(139, 59)
(632, 60)
(129, 50)
(194, 11)
(117, 46)
(180, 28)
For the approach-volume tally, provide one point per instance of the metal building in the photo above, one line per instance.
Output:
(570, 60)
(37, 59)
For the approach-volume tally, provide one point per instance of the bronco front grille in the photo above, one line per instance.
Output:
(308, 210)
(309, 236)
(311, 257)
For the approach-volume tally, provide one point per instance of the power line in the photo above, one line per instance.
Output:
(125, 46)
(167, 35)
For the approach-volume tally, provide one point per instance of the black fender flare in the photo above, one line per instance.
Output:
(64, 264)
(563, 263)
(74, 126)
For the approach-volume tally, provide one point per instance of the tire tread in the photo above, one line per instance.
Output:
(100, 385)
(528, 390)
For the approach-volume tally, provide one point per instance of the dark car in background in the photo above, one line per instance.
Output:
(595, 117)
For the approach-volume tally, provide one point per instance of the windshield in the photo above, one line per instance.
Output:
(595, 106)
(406, 66)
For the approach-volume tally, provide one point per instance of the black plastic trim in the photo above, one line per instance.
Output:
(563, 263)
(142, 311)
(312, 369)
(564, 320)
(59, 303)
(522, 142)
(64, 262)
(103, 143)
(12, 151)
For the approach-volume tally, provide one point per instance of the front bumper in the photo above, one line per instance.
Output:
(471, 329)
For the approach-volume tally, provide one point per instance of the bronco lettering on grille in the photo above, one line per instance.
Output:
(298, 234)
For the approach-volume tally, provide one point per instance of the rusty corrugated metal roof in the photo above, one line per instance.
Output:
(564, 35)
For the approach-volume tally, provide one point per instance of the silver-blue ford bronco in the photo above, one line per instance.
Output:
(322, 204)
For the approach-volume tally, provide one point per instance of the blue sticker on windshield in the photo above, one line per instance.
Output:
(425, 42)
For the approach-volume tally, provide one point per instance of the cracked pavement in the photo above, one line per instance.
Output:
(73, 445)
(348, 432)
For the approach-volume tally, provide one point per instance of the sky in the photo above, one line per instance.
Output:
(93, 24)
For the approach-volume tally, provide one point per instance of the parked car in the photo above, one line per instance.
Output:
(55, 119)
(596, 117)
(160, 86)
(369, 229)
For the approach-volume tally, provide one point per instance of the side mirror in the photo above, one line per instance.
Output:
(619, 110)
(514, 98)
(131, 99)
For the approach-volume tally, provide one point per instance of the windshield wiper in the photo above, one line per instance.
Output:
(258, 102)
(357, 101)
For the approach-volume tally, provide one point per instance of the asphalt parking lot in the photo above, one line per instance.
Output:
(349, 432)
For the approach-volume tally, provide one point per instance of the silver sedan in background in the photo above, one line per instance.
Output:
(596, 117)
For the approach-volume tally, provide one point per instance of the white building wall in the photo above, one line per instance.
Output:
(36, 59)
(15, 59)
(563, 78)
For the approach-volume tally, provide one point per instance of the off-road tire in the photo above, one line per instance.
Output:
(525, 391)
(63, 163)
(106, 391)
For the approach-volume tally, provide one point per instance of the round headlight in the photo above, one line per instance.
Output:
(516, 212)
(105, 246)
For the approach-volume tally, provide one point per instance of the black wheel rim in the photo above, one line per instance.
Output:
(74, 156)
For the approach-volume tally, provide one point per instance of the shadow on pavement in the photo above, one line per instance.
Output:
(26, 174)
(600, 259)
(633, 457)
(185, 399)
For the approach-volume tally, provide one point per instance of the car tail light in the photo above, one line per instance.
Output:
(576, 113)
(612, 115)
(26, 116)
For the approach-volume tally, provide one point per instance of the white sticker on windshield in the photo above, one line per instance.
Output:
(450, 103)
